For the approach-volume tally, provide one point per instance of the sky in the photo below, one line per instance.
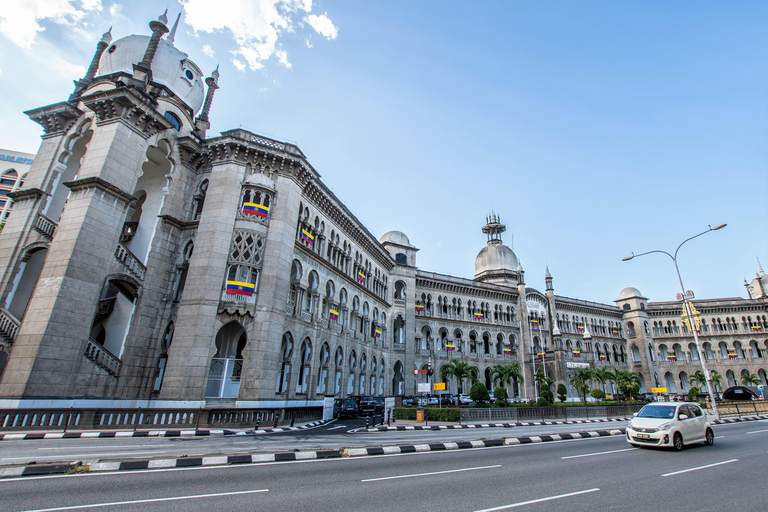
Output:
(594, 129)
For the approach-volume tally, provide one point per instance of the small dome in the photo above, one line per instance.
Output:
(496, 257)
(628, 293)
(170, 67)
(395, 237)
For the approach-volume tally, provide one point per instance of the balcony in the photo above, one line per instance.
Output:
(9, 326)
(130, 262)
(45, 226)
(398, 347)
(102, 357)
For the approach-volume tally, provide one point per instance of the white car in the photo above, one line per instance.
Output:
(464, 399)
(670, 425)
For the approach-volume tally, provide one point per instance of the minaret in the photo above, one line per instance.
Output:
(143, 70)
(494, 228)
(80, 85)
(202, 123)
(525, 336)
(172, 35)
(552, 308)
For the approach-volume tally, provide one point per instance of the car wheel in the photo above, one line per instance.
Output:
(677, 442)
(709, 437)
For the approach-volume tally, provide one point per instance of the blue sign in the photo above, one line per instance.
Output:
(17, 159)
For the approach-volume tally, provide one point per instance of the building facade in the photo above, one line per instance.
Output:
(148, 263)
(14, 166)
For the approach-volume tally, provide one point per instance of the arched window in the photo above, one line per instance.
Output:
(304, 369)
(243, 267)
(286, 351)
(170, 116)
(199, 200)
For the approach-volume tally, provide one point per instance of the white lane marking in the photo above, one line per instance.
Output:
(598, 453)
(719, 437)
(340, 426)
(758, 431)
(429, 474)
(136, 446)
(133, 502)
(700, 467)
(540, 500)
(87, 455)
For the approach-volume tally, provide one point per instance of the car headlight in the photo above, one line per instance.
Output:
(664, 426)
(629, 424)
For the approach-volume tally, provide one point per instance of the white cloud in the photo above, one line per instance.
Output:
(20, 23)
(323, 25)
(256, 27)
(239, 65)
(309, 44)
(208, 50)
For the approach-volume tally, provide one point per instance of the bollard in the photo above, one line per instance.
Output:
(293, 419)
(389, 416)
(258, 421)
(368, 421)
(277, 418)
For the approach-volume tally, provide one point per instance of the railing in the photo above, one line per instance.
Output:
(424, 352)
(152, 419)
(399, 347)
(549, 413)
(9, 326)
(399, 303)
(742, 408)
(130, 262)
(102, 357)
(238, 298)
(45, 225)
(106, 306)
(306, 316)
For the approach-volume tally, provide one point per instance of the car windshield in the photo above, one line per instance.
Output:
(657, 411)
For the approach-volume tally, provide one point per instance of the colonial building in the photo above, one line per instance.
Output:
(149, 263)
(13, 169)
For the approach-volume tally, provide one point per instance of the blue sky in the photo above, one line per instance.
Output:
(592, 128)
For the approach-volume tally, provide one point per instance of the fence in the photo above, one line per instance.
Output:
(742, 408)
(150, 419)
(549, 413)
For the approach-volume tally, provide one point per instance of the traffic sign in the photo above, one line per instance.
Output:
(439, 386)
(658, 390)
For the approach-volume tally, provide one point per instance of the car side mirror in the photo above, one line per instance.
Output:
(683, 417)
(634, 414)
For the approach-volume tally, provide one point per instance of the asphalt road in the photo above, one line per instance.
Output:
(332, 436)
(576, 476)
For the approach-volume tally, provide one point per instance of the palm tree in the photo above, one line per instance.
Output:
(697, 378)
(580, 381)
(750, 379)
(602, 375)
(461, 370)
(504, 374)
(717, 381)
(628, 382)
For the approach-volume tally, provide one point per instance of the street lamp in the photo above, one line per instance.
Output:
(689, 312)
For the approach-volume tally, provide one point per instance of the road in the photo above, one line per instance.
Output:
(575, 476)
(332, 436)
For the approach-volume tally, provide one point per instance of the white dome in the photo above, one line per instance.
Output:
(170, 67)
(496, 257)
(629, 292)
(395, 237)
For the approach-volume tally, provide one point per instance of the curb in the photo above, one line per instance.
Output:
(487, 425)
(153, 433)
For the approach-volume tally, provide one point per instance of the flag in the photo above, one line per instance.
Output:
(507, 350)
(307, 237)
(756, 327)
(334, 315)
(732, 355)
(602, 357)
(534, 322)
(240, 288)
(361, 277)
(540, 355)
(377, 333)
(419, 308)
(615, 331)
(478, 316)
(256, 209)
(576, 353)
(450, 348)
(580, 328)
(671, 357)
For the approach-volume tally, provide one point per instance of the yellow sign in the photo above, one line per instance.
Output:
(696, 318)
(658, 390)
(439, 386)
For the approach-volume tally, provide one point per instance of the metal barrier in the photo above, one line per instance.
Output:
(549, 413)
(738, 408)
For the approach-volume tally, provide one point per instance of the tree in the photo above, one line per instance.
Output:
(503, 374)
(628, 382)
(461, 371)
(597, 393)
(545, 393)
(697, 378)
(500, 394)
(580, 381)
(479, 393)
(602, 375)
(750, 379)
(562, 392)
(717, 381)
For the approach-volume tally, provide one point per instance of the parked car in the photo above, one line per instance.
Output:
(670, 425)
(409, 400)
(465, 400)
(344, 407)
(379, 404)
(447, 400)
(366, 405)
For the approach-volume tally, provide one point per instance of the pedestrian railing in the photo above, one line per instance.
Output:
(549, 413)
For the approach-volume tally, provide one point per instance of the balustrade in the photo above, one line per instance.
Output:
(130, 262)
(102, 357)
(45, 225)
(9, 326)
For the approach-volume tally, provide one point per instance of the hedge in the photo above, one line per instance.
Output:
(432, 413)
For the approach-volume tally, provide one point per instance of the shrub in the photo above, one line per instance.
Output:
(562, 392)
(542, 401)
(545, 393)
(405, 413)
(500, 394)
(445, 414)
(479, 393)
(693, 392)
(597, 393)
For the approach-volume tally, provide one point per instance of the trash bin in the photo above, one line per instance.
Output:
(420, 414)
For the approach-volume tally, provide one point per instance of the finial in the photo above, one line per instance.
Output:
(760, 266)
(215, 74)
(163, 18)
(107, 36)
(172, 36)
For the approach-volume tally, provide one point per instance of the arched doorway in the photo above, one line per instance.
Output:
(227, 363)
(397, 380)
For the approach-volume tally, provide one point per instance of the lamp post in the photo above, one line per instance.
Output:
(689, 312)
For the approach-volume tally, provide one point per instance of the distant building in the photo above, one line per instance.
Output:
(13, 168)
(147, 263)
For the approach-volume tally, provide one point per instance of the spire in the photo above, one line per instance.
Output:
(172, 36)
(760, 266)
(548, 280)
(81, 85)
(143, 70)
(494, 228)
(212, 82)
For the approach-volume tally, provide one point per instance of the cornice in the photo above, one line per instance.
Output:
(27, 193)
(178, 223)
(121, 105)
(100, 184)
(55, 119)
